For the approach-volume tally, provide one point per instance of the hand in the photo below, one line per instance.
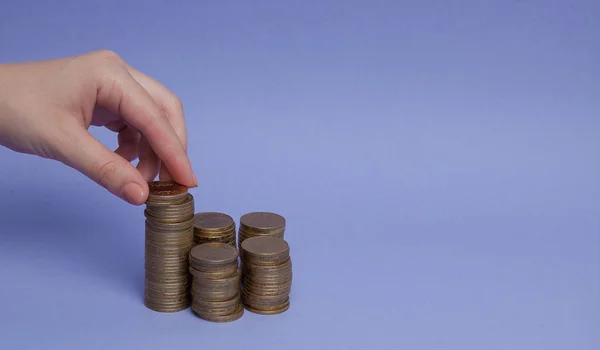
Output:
(47, 107)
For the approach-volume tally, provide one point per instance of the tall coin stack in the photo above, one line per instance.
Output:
(169, 236)
(210, 227)
(267, 275)
(260, 224)
(216, 282)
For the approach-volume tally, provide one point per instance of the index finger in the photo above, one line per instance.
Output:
(166, 99)
(120, 92)
(170, 104)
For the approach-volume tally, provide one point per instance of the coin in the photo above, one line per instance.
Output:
(214, 227)
(265, 249)
(269, 311)
(216, 288)
(261, 224)
(216, 279)
(171, 213)
(237, 314)
(208, 256)
(166, 192)
(267, 274)
(216, 307)
(262, 221)
(168, 240)
(214, 274)
(213, 222)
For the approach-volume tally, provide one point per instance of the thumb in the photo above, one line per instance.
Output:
(83, 152)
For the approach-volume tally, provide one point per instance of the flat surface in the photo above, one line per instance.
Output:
(438, 167)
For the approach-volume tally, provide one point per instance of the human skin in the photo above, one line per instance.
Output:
(47, 107)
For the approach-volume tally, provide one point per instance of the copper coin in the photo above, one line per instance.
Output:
(166, 189)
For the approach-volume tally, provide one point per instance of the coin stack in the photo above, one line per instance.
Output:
(169, 236)
(211, 227)
(267, 275)
(216, 282)
(260, 224)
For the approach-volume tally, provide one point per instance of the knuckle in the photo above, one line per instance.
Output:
(107, 56)
(175, 105)
(176, 116)
(104, 64)
(106, 172)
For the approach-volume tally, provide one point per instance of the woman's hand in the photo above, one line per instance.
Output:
(47, 107)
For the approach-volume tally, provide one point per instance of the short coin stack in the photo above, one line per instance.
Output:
(211, 227)
(216, 282)
(169, 236)
(260, 224)
(267, 275)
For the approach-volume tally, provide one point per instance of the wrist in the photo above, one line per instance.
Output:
(4, 97)
(3, 88)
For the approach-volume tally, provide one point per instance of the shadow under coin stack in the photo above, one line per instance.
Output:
(213, 227)
(260, 224)
(267, 275)
(169, 237)
(216, 282)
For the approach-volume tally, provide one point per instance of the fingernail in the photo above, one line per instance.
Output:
(133, 193)
(195, 179)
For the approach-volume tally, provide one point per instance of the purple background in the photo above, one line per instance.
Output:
(438, 164)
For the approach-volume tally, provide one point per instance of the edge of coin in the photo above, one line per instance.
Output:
(284, 308)
(236, 315)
